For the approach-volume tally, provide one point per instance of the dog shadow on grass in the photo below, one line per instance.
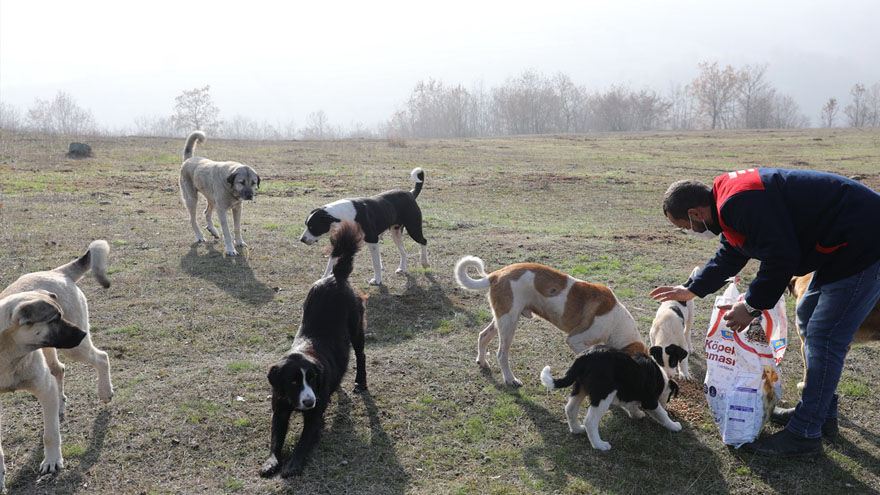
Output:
(346, 458)
(232, 274)
(393, 317)
(70, 479)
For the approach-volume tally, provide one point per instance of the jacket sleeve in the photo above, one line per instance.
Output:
(726, 263)
(770, 237)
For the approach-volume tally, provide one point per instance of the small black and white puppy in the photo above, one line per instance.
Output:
(613, 377)
(395, 210)
(671, 335)
(333, 321)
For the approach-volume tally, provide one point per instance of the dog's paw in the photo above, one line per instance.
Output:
(483, 363)
(105, 393)
(514, 382)
(602, 445)
(241, 244)
(231, 252)
(359, 387)
(292, 468)
(373, 281)
(674, 426)
(578, 430)
(270, 467)
(686, 376)
(52, 464)
(800, 386)
(400, 271)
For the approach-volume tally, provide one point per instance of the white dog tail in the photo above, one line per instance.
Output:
(465, 280)
(95, 259)
(546, 379)
(565, 381)
(418, 176)
(195, 136)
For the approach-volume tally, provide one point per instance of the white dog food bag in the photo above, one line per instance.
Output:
(742, 376)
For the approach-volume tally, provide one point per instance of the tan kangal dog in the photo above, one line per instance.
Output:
(869, 329)
(47, 311)
(225, 185)
(588, 313)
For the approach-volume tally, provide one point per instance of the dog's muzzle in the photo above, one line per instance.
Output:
(307, 239)
(65, 336)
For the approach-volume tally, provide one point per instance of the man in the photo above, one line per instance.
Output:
(794, 222)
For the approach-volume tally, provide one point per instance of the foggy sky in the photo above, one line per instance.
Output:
(358, 61)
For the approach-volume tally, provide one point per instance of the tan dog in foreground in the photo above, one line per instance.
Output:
(47, 311)
(868, 331)
(588, 313)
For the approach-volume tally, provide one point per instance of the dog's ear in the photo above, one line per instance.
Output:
(791, 286)
(676, 354)
(28, 313)
(656, 352)
(274, 376)
(258, 182)
(673, 390)
(231, 178)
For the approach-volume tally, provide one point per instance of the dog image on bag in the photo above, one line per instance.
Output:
(609, 376)
(588, 313)
(40, 313)
(225, 185)
(671, 335)
(333, 321)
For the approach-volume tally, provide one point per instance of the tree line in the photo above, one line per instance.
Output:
(528, 103)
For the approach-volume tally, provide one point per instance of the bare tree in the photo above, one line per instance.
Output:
(572, 100)
(10, 117)
(680, 116)
(856, 112)
(873, 105)
(317, 126)
(752, 87)
(829, 112)
(60, 116)
(715, 89)
(527, 104)
(152, 125)
(194, 109)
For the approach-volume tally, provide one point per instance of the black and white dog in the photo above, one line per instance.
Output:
(671, 335)
(612, 377)
(333, 320)
(393, 210)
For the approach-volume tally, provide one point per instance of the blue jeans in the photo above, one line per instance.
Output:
(828, 316)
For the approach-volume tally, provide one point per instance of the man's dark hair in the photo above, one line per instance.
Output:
(684, 195)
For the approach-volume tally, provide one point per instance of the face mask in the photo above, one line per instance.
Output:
(706, 234)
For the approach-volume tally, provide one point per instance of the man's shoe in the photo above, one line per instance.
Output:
(785, 444)
(781, 416)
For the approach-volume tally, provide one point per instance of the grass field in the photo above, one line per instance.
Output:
(191, 333)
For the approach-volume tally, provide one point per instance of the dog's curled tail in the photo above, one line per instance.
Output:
(194, 136)
(465, 280)
(418, 176)
(550, 382)
(346, 241)
(95, 259)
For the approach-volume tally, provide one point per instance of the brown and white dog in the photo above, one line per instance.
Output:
(588, 313)
(868, 331)
(671, 335)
